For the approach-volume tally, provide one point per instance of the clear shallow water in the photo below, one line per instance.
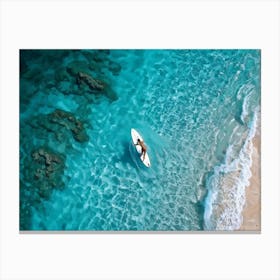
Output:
(197, 112)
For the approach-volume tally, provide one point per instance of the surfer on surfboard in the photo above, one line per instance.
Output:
(140, 146)
(143, 146)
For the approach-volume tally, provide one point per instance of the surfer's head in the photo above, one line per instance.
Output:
(138, 140)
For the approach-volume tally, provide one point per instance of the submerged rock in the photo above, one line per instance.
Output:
(79, 74)
(56, 128)
(49, 162)
(47, 170)
(93, 84)
(96, 86)
(42, 172)
(68, 121)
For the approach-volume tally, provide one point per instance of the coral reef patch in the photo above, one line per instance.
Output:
(43, 172)
(61, 124)
(68, 121)
(92, 83)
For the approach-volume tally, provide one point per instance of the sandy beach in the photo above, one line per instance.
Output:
(252, 207)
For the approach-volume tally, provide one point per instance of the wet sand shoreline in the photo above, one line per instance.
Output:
(252, 208)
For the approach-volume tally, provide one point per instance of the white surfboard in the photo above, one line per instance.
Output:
(135, 136)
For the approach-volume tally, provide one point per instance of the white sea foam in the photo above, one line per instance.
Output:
(226, 187)
(244, 90)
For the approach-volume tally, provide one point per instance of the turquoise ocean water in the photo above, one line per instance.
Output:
(197, 111)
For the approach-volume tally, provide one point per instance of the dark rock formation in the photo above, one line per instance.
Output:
(96, 86)
(43, 172)
(92, 83)
(48, 168)
(59, 126)
(79, 72)
(68, 121)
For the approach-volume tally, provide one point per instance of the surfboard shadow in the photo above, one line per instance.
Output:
(129, 156)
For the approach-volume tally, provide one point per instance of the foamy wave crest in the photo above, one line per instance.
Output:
(226, 187)
(247, 92)
(244, 90)
(245, 107)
